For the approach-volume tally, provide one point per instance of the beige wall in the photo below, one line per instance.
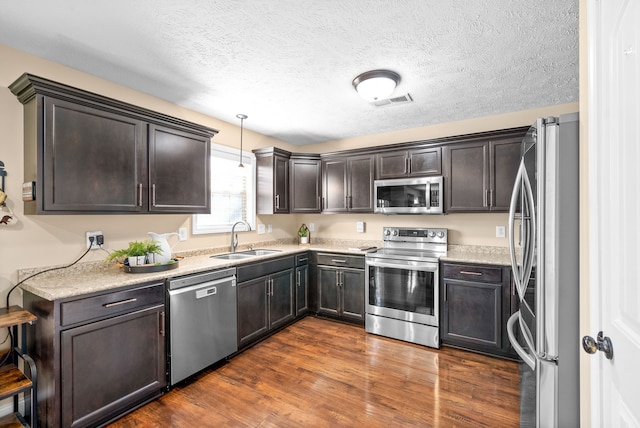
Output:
(58, 239)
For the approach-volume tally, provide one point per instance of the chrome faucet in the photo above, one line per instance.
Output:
(234, 235)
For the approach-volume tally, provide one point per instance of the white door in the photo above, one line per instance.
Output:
(614, 208)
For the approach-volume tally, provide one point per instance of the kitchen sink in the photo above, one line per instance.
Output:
(258, 252)
(240, 255)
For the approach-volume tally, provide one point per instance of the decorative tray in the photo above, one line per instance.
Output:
(151, 267)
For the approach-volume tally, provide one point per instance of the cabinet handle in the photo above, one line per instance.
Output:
(466, 272)
(121, 302)
(322, 203)
(277, 202)
(338, 261)
(337, 278)
(303, 260)
(484, 198)
(490, 197)
(350, 202)
(408, 165)
(445, 292)
(298, 278)
(153, 195)
(139, 194)
(162, 323)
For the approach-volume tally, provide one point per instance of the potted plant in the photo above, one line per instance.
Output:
(303, 234)
(136, 252)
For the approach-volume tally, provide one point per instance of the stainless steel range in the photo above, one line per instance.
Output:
(402, 285)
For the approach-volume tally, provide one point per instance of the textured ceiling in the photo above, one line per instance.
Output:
(288, 64)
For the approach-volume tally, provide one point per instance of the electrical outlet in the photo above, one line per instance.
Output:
(261, 229)
(269, 228)
(312, 227)
(360, 226)
(95, 235)
(500, 232)
(182, 234)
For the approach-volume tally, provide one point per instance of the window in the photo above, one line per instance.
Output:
(233, 193)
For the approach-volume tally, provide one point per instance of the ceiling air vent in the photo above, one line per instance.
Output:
(402, 99)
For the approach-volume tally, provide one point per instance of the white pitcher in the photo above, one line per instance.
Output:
(165, 249)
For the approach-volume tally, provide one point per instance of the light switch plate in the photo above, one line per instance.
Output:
(269, 228)
(500, 232)
(261, 229)
(360, 226)
(312, 227)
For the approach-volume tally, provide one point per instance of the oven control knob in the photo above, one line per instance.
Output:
(395, 232)
(432, 234)
(387, 232)
(440, 234)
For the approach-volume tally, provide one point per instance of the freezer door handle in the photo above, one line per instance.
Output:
(526, 357)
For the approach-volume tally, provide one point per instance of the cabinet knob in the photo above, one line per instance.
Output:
(601, 343)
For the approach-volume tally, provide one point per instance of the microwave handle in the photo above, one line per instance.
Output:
(428, 196)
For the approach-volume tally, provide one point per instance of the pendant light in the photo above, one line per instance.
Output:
(242, 117)
(376, 85)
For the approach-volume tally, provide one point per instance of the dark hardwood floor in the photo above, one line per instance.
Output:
(320, 373)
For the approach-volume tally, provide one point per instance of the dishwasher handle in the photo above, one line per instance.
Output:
(205, 289)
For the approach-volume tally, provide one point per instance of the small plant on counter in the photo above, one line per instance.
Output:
(303, 234)
(136, 249)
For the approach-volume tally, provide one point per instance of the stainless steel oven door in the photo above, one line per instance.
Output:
(403, 289)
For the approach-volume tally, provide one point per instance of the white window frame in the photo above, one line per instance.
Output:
(249, 162)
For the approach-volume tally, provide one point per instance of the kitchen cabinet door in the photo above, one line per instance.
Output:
(505, 161)
(360, 183)
(481, 175)
(352, 288)
(179, 171)
(468, 182)
(282, 299)
(476, 301)
(107, 366)
(409, 163)
(347, 184)
(305, 177)
(253, 315)
(334, 185)
(328, 293)
(472, 314)
(93, 160)
(302, 290)
(272, 181)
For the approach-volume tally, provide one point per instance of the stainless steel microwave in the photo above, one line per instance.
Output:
(409, 195)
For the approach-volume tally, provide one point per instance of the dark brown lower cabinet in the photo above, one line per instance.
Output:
(475, 306)
(108, 366)
(340, 286)
(98, 355)
(265, 303)
(302, 284)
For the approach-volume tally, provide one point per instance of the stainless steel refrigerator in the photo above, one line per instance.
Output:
(544, 244)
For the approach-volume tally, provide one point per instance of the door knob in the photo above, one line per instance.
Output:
(601, 343)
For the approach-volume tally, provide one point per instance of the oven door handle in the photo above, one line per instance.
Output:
(399, 264)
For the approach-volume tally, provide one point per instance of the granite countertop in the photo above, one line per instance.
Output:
(91, 277)
(477, 254)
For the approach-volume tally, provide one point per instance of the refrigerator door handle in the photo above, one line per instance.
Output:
(526, 357)
(531, 242)
(521, 273)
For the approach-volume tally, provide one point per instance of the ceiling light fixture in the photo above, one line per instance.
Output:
(242, 117)
(376, 84)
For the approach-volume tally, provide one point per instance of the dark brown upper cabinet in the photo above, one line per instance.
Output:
(479, 174)
(347, 184)
(272, 179)
(91, 154)
(305, 173)
(409, 163)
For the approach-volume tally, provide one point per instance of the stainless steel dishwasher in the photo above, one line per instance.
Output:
(202, 321)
